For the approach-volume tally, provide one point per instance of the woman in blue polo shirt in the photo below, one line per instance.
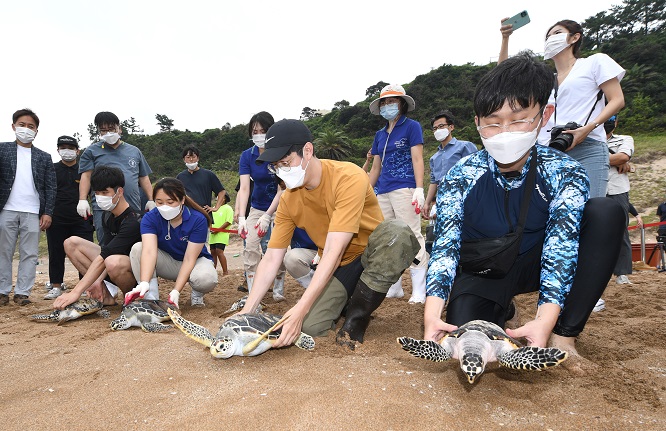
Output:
(256, 225)
(173, 237)
(397, 174)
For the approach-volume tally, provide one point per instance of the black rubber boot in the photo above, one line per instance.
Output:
(361, 305)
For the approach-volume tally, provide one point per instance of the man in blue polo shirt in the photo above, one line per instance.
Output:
(448, 153)
(200, 183)
(113, 151)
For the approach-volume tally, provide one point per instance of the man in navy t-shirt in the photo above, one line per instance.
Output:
(200, 183)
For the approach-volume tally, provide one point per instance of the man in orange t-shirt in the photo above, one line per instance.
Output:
(361, 255)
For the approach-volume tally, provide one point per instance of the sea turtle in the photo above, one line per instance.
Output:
(82, 307)
(478, 343)
(236, 332)
(148, 314)
(239, 304)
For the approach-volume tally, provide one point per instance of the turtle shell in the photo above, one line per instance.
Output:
(152, 308)
(86, 306)
(253, 324)
(491, 330)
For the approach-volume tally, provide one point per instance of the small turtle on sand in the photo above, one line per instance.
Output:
(236, 332)
(478, 343)
(239, 304)
(82, 307)
(147, 314)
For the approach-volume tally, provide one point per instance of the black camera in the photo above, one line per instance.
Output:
(562, 141)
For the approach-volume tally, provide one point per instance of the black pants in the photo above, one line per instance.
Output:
(55, 237)
(601, 233)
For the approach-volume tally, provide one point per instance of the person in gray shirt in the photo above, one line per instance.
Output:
(113, 151)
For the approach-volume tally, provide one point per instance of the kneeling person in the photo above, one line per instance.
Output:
(361, 256)
(173, 237)
(106, 268)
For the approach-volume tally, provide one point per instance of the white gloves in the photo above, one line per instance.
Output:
(83, 208)
(418, 199)
(242, 227)
(174, 296)
(263, 224)
(149, 205)
(139, 291)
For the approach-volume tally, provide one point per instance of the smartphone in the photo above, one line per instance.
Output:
(518, 20)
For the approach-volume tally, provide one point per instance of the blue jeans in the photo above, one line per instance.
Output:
(593, 155)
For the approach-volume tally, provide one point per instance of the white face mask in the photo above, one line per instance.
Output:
(441, 134)
(259, 140)
(111, 138)
(25, 135)
(508, 147)
(105, 203)
(192, 166)
(67, 155)
(554, 45)
(168, 212)
(295, 177)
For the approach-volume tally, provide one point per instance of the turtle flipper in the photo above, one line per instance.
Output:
(305, 342)
(532, 358)
(426, 349)
(196, 332)
(155, 327)
(45, 317)
(105, 314)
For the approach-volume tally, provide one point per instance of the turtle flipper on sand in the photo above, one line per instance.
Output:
(477, 343)
(82, 307)
(239, 304)
(236, 332)
(146, 314)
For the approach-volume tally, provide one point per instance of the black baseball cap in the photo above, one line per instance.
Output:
(67, 140)
(281, 136)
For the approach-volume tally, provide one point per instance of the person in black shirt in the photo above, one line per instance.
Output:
(107, 268)
(66, 221)
(200, 183)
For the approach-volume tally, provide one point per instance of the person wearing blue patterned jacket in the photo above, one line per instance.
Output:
(569, 243)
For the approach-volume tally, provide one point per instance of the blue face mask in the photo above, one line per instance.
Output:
(389, 112)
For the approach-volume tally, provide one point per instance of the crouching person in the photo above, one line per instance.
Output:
(173, 237)
(106, 267)
(361, 256)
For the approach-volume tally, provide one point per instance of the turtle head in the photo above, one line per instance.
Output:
(472, 365)
(119, 324)
(222, 348)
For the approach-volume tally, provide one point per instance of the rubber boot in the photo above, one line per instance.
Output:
(249, 278)
(306, 279)
(361, 305)
(278, 289)
(395, 291)
(418, 285)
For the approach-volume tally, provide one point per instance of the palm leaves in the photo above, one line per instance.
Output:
(333, 144)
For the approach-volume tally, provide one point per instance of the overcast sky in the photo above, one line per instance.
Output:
(206, 63)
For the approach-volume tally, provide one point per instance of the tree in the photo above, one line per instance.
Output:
(373, 90)
(130, 126)
(77, 136)
(164, 122)
(333, 144)
(226, 127)
(341, 105)
(309, 113)
(92, 132)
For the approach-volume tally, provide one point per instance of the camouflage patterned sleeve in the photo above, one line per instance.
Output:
(569, 187)
(451, 195)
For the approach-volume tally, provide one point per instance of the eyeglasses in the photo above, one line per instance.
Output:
(280, 166)
(513, 127)
(104, 131)
(441, 126)
(389, 100)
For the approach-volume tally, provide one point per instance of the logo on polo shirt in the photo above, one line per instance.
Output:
(184, 238)
(132, 162)
(401, 143)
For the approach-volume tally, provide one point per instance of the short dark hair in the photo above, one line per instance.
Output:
(572, 27)
(104, 177)
(190, 149)
(264, 118)
(297, 148)
(520, 80)
(106, 118)
(444, 114)
(227, 199)
(25, 111)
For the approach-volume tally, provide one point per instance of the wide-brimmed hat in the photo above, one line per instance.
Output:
(281, 136)
(392, 90)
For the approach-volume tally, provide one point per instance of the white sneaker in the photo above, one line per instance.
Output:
(622, 279)
(53, 293)
(196, 299)
(601, 305)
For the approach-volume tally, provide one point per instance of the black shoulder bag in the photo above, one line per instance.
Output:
(494, 257)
